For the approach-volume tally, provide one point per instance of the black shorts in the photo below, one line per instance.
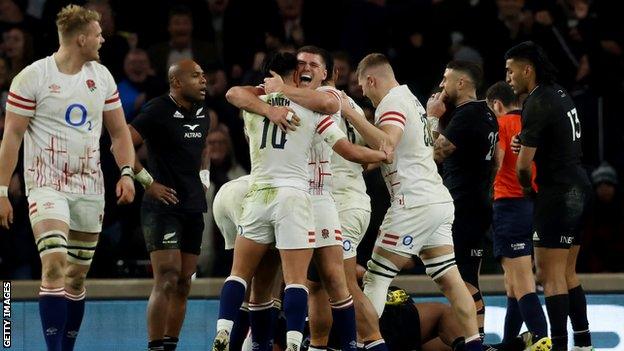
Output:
(472, 221)
(559, 215)
(512, 227)
(166, 229)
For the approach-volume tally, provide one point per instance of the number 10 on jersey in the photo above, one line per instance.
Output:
(274, 142)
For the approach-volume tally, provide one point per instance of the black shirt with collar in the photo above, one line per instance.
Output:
(467, 172)
(175, 139)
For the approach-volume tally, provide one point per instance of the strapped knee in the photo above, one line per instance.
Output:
(381, 266)
(52, 241)
(80, 252)
(438, 266)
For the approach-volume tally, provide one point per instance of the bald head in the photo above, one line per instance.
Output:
(187, 81)
(180, 68)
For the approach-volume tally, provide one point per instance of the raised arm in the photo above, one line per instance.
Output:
(324, 102)
(389, 135)
(246, 98)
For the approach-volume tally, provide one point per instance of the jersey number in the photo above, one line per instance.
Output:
(428, 137)
(350, 132)
(575, 124)
(274, 143)
(493, 137)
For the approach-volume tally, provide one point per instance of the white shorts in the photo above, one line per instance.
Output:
(354, 224)
(278, 215)
(326, 222)
(226, 226)
(407, 231)
(83, 213)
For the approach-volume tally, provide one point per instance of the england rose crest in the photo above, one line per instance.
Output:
(91, 84)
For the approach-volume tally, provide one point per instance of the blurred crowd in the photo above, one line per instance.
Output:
(230, 38)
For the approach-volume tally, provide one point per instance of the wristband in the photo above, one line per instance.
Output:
(144, 178)
(204, 176)
(127, 171)
(433, 123)
(4, 191)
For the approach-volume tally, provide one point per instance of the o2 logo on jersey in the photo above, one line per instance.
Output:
(407, 241)
(76, 116)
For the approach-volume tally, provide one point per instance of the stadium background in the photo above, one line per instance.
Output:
(584, 38)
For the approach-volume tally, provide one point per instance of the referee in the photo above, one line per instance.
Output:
(466, 150)
(175, 127)
(551, 135)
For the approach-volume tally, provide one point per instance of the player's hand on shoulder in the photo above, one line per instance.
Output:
(125, 190)
(283, 117)
(274, 84)
(346, 106)
(162, 193)
(515, 144)
(435, 105)
(6, 212)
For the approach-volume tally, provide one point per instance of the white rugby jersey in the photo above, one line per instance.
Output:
(280, 159)
(412, 179)
(349, 189)
(61, 144)
(320, 167)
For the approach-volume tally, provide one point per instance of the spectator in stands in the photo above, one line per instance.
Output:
(603, 240)
(342, 64)
(115, 46)
(13, 14)
(216, 88)
(181, 44)
(139, 85)
(17, 46)
(290, 11)
(4, 85)
(223, 168)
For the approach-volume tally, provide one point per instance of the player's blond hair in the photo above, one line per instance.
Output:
(73, 19)
(371, 61)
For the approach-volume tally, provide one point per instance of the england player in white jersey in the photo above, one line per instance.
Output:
(277, 209)
(327, 233)
(315, 65)
(58, 105)
(420, 217)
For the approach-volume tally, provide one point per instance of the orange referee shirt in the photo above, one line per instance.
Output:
(506, 183)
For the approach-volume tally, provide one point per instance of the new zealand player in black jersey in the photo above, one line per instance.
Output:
(175, 127)
(466, 150)
(551, 135)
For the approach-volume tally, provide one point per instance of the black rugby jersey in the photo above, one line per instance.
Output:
(175, 139)
(474, 132)
(550, 123)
